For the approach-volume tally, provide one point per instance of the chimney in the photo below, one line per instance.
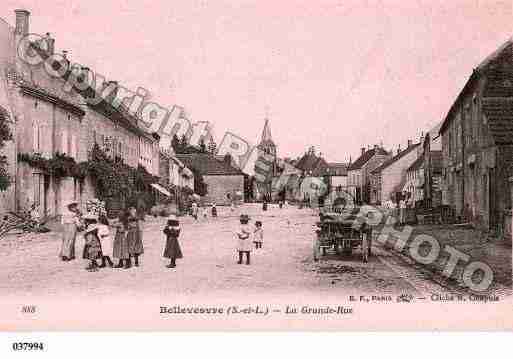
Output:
(22, 22)
(376, 147)
(398, 149)
(363, 150)
(409, 143)
(50, 43)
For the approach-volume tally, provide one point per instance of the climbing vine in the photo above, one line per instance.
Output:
(112, 176)
(5, 135)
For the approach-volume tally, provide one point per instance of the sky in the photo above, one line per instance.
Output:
(337, 75)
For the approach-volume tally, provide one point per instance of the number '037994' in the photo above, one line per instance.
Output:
(25, 346)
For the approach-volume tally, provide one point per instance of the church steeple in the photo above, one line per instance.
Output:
(266, 138)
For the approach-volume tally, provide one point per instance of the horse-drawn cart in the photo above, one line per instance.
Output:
(342, 232)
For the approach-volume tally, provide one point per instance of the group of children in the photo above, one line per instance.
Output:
(127, 243)
(99, 244)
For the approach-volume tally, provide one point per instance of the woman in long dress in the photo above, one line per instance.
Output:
(134, 236)
(70, 224)
(120, 250)
(172, 250)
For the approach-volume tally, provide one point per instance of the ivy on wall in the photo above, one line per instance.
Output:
(112, 176)
(5, 135)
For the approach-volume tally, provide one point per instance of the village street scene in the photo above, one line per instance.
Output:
(103, 192)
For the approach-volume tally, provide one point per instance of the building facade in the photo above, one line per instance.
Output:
(359, 172)
(477, 143)
(388, 180)
(225, 182)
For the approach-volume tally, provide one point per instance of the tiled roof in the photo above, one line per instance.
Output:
(48, 97)
(104, 107)
(419, 162)
(497, 68)
(499, 113)
(338, 169)
(395, 158)
(207, 164)
(363, 159)
(310, 162)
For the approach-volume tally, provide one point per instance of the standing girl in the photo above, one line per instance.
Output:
(70, 224)
(172, 250)
(243, 242)
(134, 236)
(258, 235)
(92, 248)
(120, 250)
(105, 240)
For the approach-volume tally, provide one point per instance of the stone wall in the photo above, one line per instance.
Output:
(220, 185)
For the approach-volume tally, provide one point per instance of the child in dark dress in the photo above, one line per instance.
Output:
(92, 248)
(172, 250)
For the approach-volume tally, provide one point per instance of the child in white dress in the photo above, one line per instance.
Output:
(106, 241)
(244, 244)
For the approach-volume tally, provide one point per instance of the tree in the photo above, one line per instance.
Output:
(212, 146)
(202, 146)
(175, 143)
(5, 135)
(183, 143)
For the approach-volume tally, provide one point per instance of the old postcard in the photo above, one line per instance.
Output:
(255, 165)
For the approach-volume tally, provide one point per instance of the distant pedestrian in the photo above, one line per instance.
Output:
(264, 205)
(280, 204)
(120, 250)
(172, 250)
(214, 210)
(244, 244)
(92, 247)
(134, 236)
(402, 212)
(194, 210)
(258, 235)
(106, 240)
(204, 212)
(70, 225)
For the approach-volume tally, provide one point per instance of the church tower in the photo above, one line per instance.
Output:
(268, 146)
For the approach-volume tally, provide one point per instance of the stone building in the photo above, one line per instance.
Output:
(477, 143)
(45, 120)
(224, 181)
(358, 172)
(337, 173)
(388, 179)
(414, 185)
(50, 121)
